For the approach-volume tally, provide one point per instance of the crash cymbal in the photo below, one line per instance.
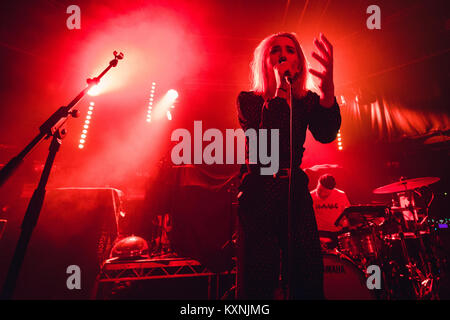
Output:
(405, 185)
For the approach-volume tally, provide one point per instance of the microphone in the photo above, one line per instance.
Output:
(287, 74)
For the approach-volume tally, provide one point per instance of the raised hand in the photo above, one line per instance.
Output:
(325, 58)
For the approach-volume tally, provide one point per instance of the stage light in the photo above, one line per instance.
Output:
(94, 91)
(87, 121)
(339, 139)
(150, 104)
(162, 106)
(172, 94)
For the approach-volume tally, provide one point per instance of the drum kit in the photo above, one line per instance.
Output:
(397, 238)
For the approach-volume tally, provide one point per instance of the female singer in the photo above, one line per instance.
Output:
(278, 65)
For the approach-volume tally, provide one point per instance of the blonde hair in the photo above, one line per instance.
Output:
(259, 72)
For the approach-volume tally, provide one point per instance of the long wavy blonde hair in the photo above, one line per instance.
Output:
(259, 70)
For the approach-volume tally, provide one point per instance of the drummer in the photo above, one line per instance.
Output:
(329, 203)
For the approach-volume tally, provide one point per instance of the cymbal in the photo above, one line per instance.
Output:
(326, 166)
(405, 185)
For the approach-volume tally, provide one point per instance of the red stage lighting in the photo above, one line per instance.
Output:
(150, 103)
(172, 94)
(339, 139)
(86, 125)
(165, 104)
(94, 91)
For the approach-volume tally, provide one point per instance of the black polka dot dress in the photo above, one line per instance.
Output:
(263, 201)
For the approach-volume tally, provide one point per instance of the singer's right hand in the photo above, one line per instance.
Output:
(282, 58)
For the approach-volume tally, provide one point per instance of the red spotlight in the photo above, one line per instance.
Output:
(172, 94)
(167, 102)
(94, 90)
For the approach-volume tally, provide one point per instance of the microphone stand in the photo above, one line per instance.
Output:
(291, 196)
(53, 127)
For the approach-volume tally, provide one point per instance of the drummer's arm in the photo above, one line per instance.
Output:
(347, 202)
(345, 223)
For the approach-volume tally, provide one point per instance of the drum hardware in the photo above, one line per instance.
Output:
(412, 263)
(160, 242)
(376, 234)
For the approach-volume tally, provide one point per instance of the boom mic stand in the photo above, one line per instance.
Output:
(51, 128)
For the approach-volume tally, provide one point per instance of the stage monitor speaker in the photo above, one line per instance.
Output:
(76, 227)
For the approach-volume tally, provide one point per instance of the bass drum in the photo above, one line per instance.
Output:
(343, 280)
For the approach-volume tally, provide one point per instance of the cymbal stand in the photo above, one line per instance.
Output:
(429, 280)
